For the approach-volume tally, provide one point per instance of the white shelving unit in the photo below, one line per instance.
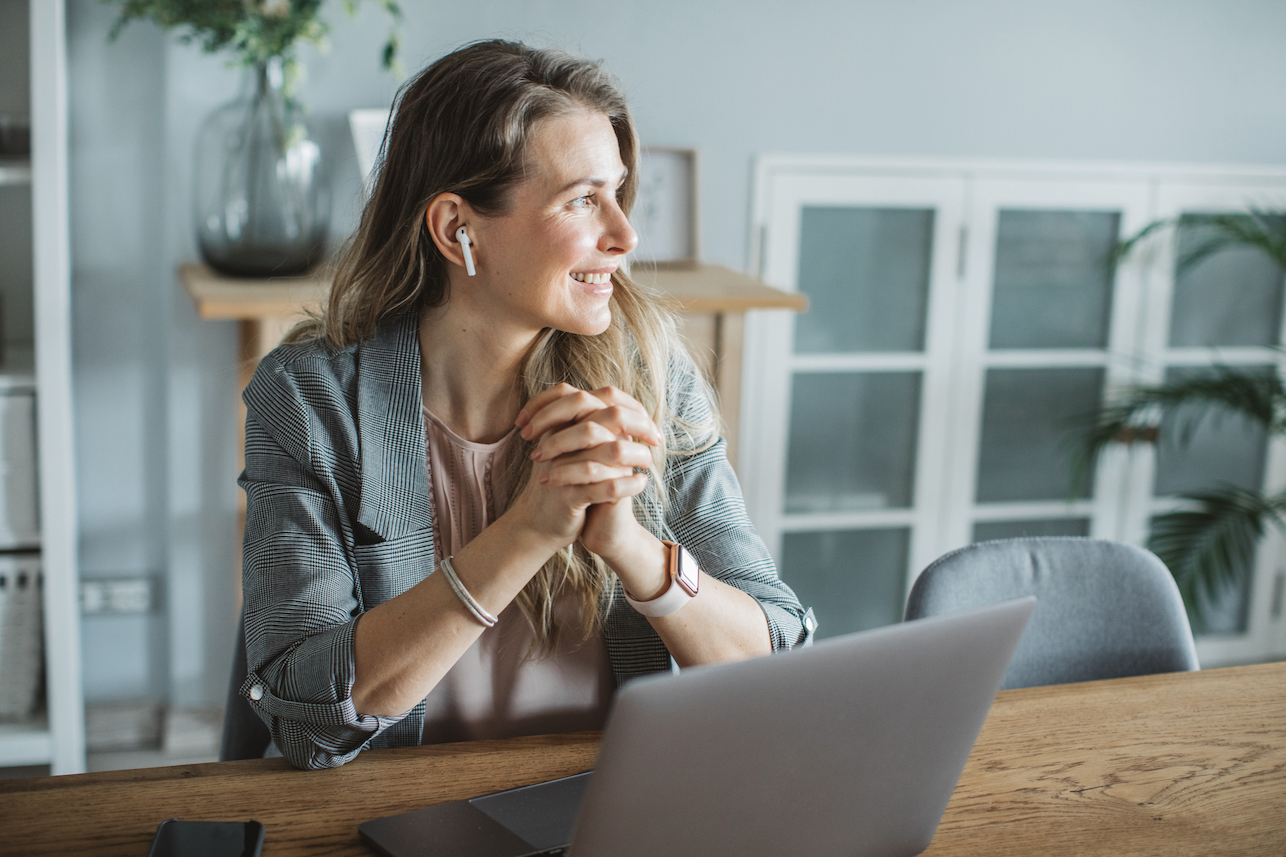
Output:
(57, 736)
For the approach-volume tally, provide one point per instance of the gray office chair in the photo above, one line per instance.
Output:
(1104, 609)
(245, 736)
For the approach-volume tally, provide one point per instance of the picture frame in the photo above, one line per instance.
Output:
(665, 213)
(367, 127)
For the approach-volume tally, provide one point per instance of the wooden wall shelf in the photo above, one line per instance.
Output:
(702, 289)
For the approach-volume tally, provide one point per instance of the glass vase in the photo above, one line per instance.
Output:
(262, 208)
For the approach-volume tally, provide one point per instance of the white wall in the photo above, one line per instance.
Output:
(1177, 80)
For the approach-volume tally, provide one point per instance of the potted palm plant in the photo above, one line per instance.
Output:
(1210, 541)
(261, 208)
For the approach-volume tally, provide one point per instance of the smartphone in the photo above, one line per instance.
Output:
(175, 838)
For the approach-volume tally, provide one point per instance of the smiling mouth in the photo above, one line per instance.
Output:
(593, 279)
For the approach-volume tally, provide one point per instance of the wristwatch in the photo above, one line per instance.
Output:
(685, 580)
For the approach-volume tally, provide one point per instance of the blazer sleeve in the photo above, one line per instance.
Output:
(707, 514)
(302, 597)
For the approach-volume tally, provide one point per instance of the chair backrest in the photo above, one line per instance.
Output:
(1104, 609)
(245, 736)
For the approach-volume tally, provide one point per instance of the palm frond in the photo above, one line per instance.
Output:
(1213, 544)
(1179, 407)
(1261, 230)
(1129, 245)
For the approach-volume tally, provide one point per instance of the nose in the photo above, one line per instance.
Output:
(618, 236)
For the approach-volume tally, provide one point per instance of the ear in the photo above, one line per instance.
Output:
(446, 213)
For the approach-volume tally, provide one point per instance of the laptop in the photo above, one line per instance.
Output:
(849, 747)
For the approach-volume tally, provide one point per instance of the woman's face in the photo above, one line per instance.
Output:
(548, 261)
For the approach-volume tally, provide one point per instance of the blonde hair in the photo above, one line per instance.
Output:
(463, 125)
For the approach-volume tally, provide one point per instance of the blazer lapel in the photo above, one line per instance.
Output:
(395, 496)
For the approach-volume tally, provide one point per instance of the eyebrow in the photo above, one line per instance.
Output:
(592, 181)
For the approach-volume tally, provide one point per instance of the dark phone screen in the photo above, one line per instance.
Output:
(176, 838)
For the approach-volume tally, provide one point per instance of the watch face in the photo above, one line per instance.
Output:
(689, 575)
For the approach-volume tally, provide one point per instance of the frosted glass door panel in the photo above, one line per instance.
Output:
(853, 579)
(1222, 449)
(1053, 282)
(1233, 297)
(852, 441)
(986, 531)
(1030, 421)
(866, 274)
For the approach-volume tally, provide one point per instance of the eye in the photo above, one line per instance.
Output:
(583, 201)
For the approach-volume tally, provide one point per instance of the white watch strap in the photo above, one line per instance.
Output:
(674, 596)
(664, 604)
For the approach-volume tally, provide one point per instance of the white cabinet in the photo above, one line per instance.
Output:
(964, 318)
(37, 499)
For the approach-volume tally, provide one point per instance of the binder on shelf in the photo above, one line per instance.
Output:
(19, 518)
(21, 636)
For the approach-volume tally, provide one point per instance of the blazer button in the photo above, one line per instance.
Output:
(256, 692)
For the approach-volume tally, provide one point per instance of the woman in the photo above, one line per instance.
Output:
(486, 487)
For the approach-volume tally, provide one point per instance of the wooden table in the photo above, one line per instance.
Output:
(1181, 764)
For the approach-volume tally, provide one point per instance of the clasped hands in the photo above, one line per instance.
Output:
(588, 444)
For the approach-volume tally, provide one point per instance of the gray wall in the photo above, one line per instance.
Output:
(1174, 80)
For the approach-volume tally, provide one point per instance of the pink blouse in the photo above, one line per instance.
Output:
(492, 692)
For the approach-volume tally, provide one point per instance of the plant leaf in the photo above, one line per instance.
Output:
(1179, 407)
(255, 30)
(1212, 545)
(1260, 230)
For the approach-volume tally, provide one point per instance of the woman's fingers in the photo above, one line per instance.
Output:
(617, 454)
(559, 419)
(583, 473)
(560, 510)
(599, 428)
(609, 491)
(558, 410)
(537, 402)
(572, 439)
(627, 422)
(565, 405)
(625, 415)
(612, 396)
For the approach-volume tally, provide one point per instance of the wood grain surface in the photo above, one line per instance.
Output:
(714, 288)
(1181, 764)
(1177, 764)
(220, 297)
(304, 812)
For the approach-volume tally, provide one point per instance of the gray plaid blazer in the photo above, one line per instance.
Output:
(339, 519)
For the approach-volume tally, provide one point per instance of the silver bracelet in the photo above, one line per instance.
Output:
(479, 612)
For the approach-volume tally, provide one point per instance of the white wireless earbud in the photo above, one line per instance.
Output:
(465, 244)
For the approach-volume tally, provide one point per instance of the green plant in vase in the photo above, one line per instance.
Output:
(261, 205)
(1209, 543)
